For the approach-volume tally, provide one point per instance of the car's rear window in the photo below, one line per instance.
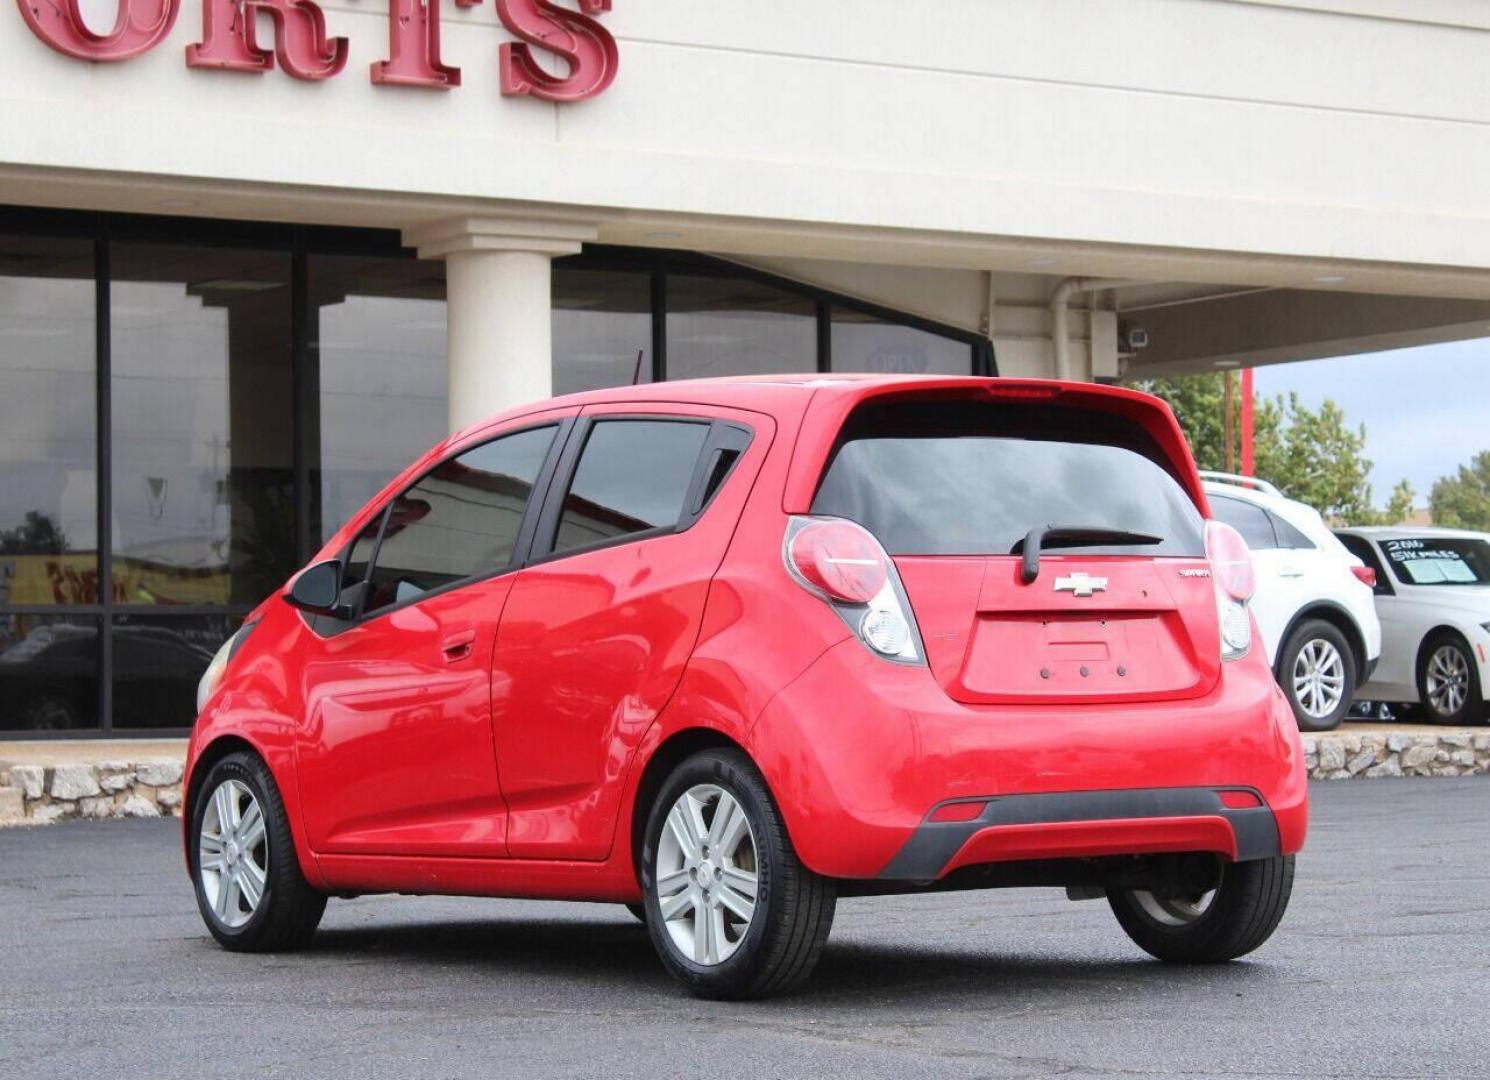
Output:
(1439, 561)
(972, 478)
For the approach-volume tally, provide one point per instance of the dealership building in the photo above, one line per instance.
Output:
(257, 255)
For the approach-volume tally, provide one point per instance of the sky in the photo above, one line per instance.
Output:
(1426, 409)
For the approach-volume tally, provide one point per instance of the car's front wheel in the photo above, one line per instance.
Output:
(1449, 682)
(249, 887)
(1212, 926)
(730, 908)
(1317, 671)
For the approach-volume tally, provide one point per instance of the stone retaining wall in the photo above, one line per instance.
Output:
(119, 789)
(105, 789)
(1396, 753)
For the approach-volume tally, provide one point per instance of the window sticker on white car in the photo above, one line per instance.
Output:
(1439, 562)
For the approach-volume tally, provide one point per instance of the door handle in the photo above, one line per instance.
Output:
(457, 647)
(1290, 571)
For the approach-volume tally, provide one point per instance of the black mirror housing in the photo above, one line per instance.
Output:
(318, 589)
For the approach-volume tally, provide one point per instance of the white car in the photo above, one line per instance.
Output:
(1433, 596)
(1314, 598)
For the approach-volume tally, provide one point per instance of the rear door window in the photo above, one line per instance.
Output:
(1364, 550)
(1289, 536)
(460, 521)
(633, 478)
(1253, 522)
(970, 478)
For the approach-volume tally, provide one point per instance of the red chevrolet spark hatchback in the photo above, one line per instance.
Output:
(724, 651)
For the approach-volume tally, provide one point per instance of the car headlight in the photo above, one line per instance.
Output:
(207, 686)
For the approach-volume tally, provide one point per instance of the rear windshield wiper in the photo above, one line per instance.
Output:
(1052, 536)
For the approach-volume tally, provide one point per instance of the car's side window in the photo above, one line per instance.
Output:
(1364, 550)
(1288, 536)
(1251, 521)
(633, 477)
(460, 521)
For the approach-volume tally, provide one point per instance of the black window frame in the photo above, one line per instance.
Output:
(723, 435)
(355, 592)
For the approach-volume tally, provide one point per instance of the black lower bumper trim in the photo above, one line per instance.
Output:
(934, 843)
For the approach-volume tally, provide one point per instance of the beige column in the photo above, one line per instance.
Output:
(499, 306)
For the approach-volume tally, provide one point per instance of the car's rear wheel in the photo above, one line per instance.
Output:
(1208, 927)
(1449, 682)
(730, 908)
(249, 887)
(1317, 672)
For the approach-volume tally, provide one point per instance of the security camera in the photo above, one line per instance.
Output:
(1134, 337)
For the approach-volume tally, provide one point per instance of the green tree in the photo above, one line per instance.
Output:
(37, 535)
(1313, 456)
(1462, 501)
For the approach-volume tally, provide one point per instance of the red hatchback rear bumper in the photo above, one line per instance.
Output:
(881, 775)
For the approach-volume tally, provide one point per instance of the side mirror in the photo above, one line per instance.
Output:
(318, 589)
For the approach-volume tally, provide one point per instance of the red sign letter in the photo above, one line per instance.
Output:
(414, 46)
(585, 45)
(139, 26)
(300, 41)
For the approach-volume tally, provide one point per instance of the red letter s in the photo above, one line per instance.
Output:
(585, 45)
(139, 26)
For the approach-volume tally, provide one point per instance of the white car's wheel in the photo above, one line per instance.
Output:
(1317, 671)
(1448, 681)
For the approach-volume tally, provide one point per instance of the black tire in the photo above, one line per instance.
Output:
(793, 909)
(1307, 634)
(1472, 708)
(289, 910)
(1244, 912)
(638, 912)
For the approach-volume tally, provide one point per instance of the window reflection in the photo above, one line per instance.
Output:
(48, 672)
(866, 343)
(48, 442)
(158, 660)
(732, 326)
(378, 354)
(601, 320)
(203, 495)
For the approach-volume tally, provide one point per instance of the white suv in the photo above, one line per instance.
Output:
(1314, 598)
(1433, 596)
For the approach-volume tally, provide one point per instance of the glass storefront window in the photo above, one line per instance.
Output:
(735, 326)
(203, 441)
(158, 660)
(378, 358)
(49, 668)
(865, 343)
(602, 318)
(48, 439)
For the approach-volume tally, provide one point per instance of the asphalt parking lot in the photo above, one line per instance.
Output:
(1381, 969)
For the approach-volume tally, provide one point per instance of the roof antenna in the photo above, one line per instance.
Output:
(636, 376)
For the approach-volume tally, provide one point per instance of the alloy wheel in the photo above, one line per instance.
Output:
(1174, 910)
(1448, 680)
(233, 853)
(708, 873)
(1319, 678)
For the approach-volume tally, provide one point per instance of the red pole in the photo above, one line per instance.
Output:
(1247, 462)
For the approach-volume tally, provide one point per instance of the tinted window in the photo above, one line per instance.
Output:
(1436, 561)
(633, 477)
(460, 521)
(1362, 549)
(1288, 536)
(1253, 522)
(961, 477)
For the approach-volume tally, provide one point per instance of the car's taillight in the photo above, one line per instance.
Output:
(842, 563)
(1231, 567)
(1365, 574)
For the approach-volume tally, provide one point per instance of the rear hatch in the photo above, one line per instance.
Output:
(1121, 606)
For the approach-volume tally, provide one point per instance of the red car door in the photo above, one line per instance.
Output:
(395, 753)
(597, 631)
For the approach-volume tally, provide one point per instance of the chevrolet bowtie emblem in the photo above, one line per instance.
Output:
(1081, 584)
